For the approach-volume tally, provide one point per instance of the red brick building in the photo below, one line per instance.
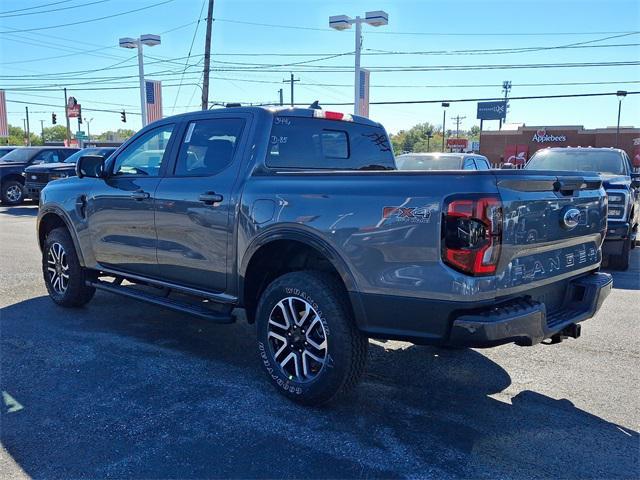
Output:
(517, 146)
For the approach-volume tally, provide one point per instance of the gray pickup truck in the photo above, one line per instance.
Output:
(297, 220)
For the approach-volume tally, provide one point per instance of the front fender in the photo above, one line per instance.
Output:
(60, 213)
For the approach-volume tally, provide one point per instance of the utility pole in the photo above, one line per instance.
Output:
(42, 130)
(207, 58)
(66, 116)
(28, 131)
(281, 97)
(506, 88)
(458, 120)
(291, 80)
(24, 129)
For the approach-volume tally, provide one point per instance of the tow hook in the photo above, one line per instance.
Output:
(570, 331)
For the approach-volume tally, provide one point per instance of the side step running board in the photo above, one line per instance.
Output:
(172, 304)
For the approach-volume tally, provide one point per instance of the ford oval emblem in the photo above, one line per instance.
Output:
(571, 218)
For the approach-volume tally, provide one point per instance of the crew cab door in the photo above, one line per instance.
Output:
(120, 209)
(195, 202)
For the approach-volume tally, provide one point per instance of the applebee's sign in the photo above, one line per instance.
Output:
(541, 136)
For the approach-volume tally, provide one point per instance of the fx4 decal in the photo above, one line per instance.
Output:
(407, 214)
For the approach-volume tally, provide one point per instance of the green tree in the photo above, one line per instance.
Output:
(55, 133)
(475, 131)
(114, 135)
(17, 137)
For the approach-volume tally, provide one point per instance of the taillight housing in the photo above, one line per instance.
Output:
(472, 234)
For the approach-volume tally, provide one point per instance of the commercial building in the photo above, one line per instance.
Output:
(516, 146)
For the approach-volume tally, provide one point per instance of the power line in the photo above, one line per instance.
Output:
(35, 7)
(460, 100)
(186, 63)
(89, 20)
(55, 9)
(466, 34)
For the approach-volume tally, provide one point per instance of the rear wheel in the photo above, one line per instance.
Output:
(12, 193)
(63, 275)
(308, 343)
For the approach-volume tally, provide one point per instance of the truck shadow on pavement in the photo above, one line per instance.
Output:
(21, 211)
(120, 389)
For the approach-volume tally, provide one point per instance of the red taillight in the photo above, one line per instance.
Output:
(472, 234)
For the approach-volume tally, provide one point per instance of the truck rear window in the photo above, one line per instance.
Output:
(312, 143)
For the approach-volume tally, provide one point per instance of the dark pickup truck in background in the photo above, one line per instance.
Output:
(12, 166)
(39, 175)
(621, 184)
(297, 220)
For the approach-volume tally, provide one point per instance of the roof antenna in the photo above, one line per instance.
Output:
(315, 105)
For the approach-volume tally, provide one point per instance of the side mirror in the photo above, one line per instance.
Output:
(507, 166)
(635, 180)
(91, 166)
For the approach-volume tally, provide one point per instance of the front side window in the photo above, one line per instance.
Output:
(481, 164)
(144, 156)
(208, 146)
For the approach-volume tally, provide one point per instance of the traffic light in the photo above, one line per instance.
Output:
(54, 118)
(123, 116)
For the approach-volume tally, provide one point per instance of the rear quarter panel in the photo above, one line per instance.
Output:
(385, 226)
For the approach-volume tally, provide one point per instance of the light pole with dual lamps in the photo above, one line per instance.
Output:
(149, 40)
(343, 22)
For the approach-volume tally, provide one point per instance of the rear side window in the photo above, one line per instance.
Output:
(481, 164)
(310, 143)
(208, 146)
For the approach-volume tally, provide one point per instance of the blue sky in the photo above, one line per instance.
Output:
(444, 26)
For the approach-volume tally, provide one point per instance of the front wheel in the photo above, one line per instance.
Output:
(309, 345)
(63, 275)
(12, 193)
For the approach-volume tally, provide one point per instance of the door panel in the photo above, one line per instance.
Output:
(122, 224)
(121, 209)
(193, 206)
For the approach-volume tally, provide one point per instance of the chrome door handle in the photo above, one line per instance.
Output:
(210, 198)
(140, 195)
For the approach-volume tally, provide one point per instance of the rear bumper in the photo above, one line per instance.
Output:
(526, 322)
(522, 320)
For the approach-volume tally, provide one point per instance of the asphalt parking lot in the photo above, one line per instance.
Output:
(124, 389)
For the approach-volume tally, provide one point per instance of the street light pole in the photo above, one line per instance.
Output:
(143, 103)
(149, 40)
(620, 94)
(343, 22)
(444, 122)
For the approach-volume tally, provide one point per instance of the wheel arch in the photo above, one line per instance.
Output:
(51, 218)
(13, 177)
(274, 247)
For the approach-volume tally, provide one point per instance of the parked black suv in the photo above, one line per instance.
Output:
(37, 176)
(623, 192)
(13, 164)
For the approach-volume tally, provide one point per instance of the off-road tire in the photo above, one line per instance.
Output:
(7, 195)
(346, 346)
(77, 292)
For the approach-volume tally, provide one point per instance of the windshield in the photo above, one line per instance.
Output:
(578, 161)
(429, 162)
(19, 155)
(103, 152)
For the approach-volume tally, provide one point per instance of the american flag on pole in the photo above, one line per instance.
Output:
(154, 100)
(4, 124)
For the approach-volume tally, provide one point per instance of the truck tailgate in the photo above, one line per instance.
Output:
(553, 226)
